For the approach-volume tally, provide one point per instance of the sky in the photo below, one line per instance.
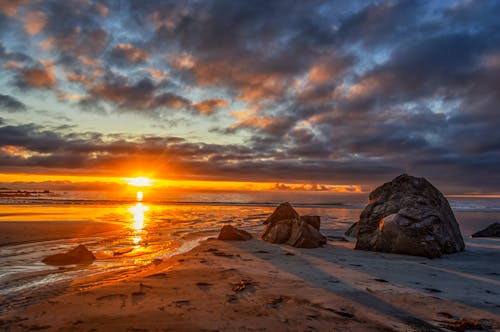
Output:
(304, 95)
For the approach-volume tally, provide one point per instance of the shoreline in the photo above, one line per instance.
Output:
(281, 288)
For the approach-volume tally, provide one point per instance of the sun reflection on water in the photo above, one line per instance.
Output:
(138, 218)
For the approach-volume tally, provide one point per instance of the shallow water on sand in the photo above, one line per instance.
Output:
(126, 237)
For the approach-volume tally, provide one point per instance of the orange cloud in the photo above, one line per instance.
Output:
(39, 77)
(253, 86)
(9, 7)
(102, 9)
(130, 53)
(210, 105)
(78, 78)
(12, 65)
(183, 61)
(64, 96)
(34, 22)
(90, 62)
(18, 151)
(348, 188)
(157, 74)
(48, 44)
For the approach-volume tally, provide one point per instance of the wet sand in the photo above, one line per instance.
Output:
(17, 232)
(254, 285)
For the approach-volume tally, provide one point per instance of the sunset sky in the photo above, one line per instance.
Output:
(318, 95)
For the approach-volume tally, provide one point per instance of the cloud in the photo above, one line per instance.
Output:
(41, 77)
(34, 22)
(143, 95)
(10, 7)
(209, 106)
(11, 104)
(128, 54)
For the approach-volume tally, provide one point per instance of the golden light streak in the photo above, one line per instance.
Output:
(178, 184)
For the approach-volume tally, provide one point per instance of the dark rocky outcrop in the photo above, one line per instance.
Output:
(409, 216)
(78, 255)
(286, 226)
(492, 230)
(230, 233)
(352, 231)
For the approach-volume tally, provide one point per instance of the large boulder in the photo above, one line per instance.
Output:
(286, 226)
(492, 230)
(230, 233)
(409, 216)
(78, 255)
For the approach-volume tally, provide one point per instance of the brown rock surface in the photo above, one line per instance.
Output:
(283, 211)
(305, 235)
(314, 221)
(78, 255)
(409, 216)
(230, 233)
(286, 226)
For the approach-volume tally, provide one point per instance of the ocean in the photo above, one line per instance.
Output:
(128, 236)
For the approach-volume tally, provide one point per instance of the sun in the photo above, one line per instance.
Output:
(139, 181)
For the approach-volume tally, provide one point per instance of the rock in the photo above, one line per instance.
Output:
(492, 230)
(78, 255)
(279, 231)
(409, 216)
(352, 231)
(230, 233)
(286, 226)
(305, 235)
(314, 221)
(283, 211)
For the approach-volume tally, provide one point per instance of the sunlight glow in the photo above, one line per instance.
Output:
(136, 240)
(139, 181)
(140, 196)
(138, 215)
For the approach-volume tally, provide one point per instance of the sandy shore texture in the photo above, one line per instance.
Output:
(257, 286)
(15, 232)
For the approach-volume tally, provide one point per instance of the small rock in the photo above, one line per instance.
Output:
(79, 255)
(230, 233)
(492, 230)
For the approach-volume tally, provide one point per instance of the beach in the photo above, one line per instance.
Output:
(179, 277)
(254, 285)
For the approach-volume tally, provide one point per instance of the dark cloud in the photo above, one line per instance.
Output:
(11, 104)
(381, 22)
(74, 28)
